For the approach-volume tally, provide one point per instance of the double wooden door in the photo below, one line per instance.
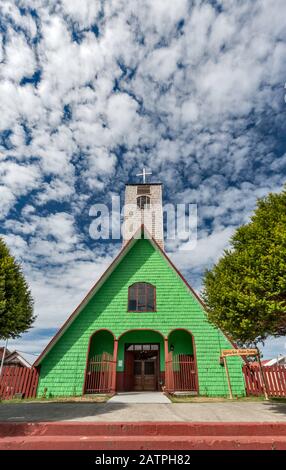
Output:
(145, 374)
(141, 371)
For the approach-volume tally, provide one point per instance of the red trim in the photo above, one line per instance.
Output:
(115, 351)
(166, 350)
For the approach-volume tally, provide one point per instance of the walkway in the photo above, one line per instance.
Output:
(139, 397)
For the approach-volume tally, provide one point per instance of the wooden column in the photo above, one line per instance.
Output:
(262, 376)
(228, 378)
(167, 378)
(115, 351)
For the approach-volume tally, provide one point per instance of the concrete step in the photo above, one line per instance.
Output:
(143, 443)
(142, 428)
(143, 435)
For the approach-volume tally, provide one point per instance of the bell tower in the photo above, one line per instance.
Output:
(143, 205)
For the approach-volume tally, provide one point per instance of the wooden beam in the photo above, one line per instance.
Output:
(115, 352)
(262, 376)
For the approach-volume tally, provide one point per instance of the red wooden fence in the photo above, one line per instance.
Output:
(181, 374)
(98, 377)
(275, 378)
(18, 380)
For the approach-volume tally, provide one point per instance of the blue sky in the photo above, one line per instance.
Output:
(91, 91)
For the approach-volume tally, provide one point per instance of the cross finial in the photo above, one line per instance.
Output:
(144, 173)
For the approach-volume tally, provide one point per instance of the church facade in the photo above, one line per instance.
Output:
(142, 326)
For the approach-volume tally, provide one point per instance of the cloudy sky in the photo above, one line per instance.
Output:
(92, 90)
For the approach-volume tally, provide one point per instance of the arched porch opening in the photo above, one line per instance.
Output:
(141, 360)
(101, 363)
(181, 366)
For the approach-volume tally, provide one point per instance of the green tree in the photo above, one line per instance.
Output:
(16, 304)
(245, 292)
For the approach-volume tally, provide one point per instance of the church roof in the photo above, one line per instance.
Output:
(125, 249)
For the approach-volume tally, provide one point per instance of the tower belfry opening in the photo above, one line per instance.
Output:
(143, 206)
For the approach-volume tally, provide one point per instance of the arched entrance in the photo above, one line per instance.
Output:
(181, 367)
(101, 363)
(141, 356)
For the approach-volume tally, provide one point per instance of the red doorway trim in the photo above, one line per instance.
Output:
(147, 342)
(115, 352)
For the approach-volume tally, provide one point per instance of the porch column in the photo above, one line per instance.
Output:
(166, 364)
(115, 351)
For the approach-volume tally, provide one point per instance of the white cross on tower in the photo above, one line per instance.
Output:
(143, 174)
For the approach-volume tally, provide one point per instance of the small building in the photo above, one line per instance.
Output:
(276, 361)
(141, 326)
(13, 358)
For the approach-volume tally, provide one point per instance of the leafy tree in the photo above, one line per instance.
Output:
(16, 304)
(245, 292)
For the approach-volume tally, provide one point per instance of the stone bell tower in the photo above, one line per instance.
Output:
(143, 205)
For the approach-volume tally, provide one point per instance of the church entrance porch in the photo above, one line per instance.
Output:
(141, 361)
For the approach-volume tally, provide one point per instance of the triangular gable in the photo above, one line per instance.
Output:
(123, 252)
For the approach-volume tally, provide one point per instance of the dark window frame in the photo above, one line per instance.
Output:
(143, 205)
(146, 309)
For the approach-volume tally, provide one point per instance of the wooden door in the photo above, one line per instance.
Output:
(145, 374)
(138, 375)
(150, 375)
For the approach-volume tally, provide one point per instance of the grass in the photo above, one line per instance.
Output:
(85, 399)
(174, 399)
(202, 399)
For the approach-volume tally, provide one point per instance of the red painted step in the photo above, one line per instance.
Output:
(144, 435)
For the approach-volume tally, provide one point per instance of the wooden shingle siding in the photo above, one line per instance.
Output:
(62, 370)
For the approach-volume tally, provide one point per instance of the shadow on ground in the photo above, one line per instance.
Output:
(275, 406)
(231, 412)
(55, 411)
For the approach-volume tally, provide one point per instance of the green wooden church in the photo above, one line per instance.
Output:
(142, 326)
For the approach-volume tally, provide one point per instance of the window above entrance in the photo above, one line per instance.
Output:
(141, 297)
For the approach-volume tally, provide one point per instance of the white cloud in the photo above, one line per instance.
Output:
(17, 180)
(83, 12)
(161, 63)
(121, 116)
(19, 59)
(207, 250)
(7, 200)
